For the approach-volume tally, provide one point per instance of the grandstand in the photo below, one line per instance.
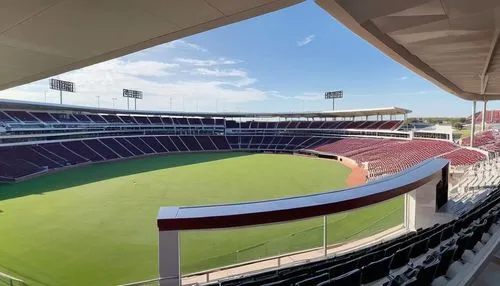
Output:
(39, 140)
(436, 255)
(490, 117)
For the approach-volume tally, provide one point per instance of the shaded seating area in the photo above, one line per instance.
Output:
(415, 258)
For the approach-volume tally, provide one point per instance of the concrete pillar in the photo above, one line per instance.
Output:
(473, 124)
(421, 209)
(169, 258)
(483, 119)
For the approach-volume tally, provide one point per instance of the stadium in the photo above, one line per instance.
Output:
(110, 196)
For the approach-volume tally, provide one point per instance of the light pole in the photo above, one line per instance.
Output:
(61, 85)
(114, 99)
(333, 95)
(130, 93)
(98, 101)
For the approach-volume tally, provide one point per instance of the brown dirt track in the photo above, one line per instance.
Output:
(356, 177)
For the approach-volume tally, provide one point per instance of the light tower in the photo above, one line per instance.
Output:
(334, 94)
(61, 85)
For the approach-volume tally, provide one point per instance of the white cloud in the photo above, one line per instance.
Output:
(220, 72)
(242, 78)
(306, 40)
(309, 96)
(154, 78)
(208, 62)
(185, 44)
(402, 78)
(306, 96)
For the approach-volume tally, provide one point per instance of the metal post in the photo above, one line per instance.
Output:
(135, 103)
(333, 103)
(483, 119)
(128, 103)
(60, 96)
(325, 235)
(473, 124)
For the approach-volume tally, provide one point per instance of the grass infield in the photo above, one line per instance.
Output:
(95, 225)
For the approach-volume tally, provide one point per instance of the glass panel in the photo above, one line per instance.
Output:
(365, 222)
(202, 250)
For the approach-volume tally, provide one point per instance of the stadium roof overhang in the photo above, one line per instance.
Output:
(452, 43)
(6, 104)
(39, 39)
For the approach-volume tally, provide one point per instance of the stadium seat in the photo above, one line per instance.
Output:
(352, 278)
(401, 257)
(376, 270)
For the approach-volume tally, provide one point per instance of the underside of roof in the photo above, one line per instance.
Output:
(42, 38)
(453, 43)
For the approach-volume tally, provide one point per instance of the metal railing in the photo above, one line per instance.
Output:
(6, 279)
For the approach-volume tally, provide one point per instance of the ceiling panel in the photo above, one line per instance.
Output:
(48, 37)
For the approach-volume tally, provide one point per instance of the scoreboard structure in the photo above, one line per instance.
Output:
(130, 93)
(61, 85)
(333, 95)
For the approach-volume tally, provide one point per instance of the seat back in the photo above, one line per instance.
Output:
(419, 248)
(445, 260)
(478, 230)
(447, 232)
(435, 239)
(352, 278)
(457, 226)
(313, 280)
(462, 241)
(343, 268)
(364, 260)
(401, 257)
(427, 272)
(378, 254)
(376, 270)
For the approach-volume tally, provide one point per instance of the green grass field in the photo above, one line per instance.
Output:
(96, 225)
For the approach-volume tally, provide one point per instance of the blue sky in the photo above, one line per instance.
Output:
(283, 61)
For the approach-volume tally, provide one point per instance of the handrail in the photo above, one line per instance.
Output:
(300, 207)
(11, 278)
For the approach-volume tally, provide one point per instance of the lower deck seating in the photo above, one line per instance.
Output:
(382, 156)
(388, 156)
(415, 258)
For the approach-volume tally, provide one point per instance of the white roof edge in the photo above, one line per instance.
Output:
(9, 104)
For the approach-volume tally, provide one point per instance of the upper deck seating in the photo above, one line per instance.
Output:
(44, 117)
(22, 116)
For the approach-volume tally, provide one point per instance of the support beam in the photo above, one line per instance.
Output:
(325, 236)
(169, 258)
(473, 124)
(491, 54)
(483, 119)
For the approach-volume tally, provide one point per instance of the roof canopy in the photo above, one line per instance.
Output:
(6, 104)
(39, 39)
(452, 43)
